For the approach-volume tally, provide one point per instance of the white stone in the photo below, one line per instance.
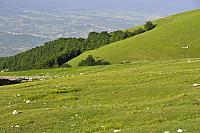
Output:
(195, 85)
(116, 131)
(28, 101)
(179, 131)
(167, 132)
(17, 126)
(15, 112)
(18, 95)
(81, 73)
(73, 125)
(186, 47)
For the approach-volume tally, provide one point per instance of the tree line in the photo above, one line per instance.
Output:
(56, 53)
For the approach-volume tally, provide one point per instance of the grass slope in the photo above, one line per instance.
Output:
(164, 42)
(148, 97)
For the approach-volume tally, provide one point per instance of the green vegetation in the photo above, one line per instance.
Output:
(142, 97)
(52, 54)
(176, 37)
(55, 53)
(149, 26)
(90, 61)
(157, 91)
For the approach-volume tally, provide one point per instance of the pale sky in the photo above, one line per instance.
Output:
(156, 6)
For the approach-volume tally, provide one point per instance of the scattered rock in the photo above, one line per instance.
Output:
(48, 108)
(186, 47)
(15, 112)
(17, 126)
(73, 125)
(195, 85)
(179, 130)
(18, 95)
(28, 101)
(117, 130)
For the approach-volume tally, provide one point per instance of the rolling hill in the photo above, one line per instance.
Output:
(176, 37)
(158, 93)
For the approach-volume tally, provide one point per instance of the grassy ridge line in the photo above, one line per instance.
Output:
(169, 19)
(146, 97)
(163, 42)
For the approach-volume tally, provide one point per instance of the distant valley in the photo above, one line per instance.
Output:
(22, 29)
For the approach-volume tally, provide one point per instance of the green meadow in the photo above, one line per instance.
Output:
(142, 97)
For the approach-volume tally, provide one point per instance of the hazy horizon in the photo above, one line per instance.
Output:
(155, 6)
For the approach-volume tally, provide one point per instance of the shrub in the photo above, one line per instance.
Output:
(139, 31)
(149, 26)
(90, 61)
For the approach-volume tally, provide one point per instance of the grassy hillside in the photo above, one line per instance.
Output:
(176, 37)
(145, 97)
(169, 19)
